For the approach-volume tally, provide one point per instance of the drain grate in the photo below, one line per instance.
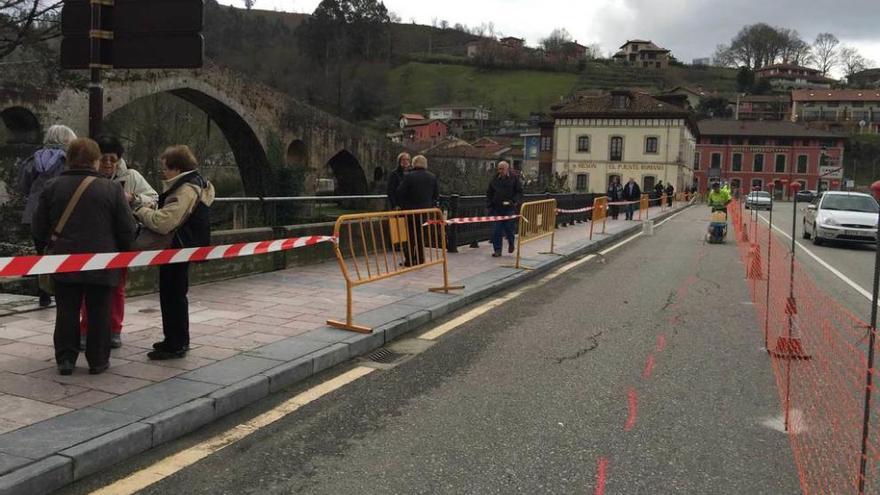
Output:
(385, 356)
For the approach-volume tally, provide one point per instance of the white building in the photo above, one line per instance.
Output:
(625, 134)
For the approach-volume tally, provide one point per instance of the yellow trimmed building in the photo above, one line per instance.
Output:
(625, 134)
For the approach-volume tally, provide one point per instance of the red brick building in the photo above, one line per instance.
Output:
(425, 130)
(750, 154)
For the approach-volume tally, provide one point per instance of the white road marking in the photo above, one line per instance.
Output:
(166, 467)
(861, 290)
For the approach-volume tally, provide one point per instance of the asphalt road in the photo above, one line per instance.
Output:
(647, 363)
(854, 261)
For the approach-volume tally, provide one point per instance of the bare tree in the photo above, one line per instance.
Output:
(760, 45)
(249, 4)
(557, 39)
(794, 49)
(852, 61)
(825, 51)
(27, 21)
(594, 51)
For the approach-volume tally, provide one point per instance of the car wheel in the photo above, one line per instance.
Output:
(806, 234)
(817, 241)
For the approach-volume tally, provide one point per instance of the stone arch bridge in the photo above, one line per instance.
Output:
(252, 117)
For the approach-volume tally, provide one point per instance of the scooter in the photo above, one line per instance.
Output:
(717, 226)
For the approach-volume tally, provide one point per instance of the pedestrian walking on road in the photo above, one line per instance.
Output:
(47, 163)
(504, 196)
(615, 194)
(631, 194)
(419, 190)
(138, 192)
(670, 194)
(184, 210)
(396, 178)
(81, 212)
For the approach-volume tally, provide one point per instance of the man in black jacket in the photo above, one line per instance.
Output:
(504, 195)
(419, 190)
(631, 192)
(396, 178)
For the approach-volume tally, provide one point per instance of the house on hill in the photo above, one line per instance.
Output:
(786, 77)
(866, 79)
(644, 54)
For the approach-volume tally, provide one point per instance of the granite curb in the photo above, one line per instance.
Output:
(38, 460)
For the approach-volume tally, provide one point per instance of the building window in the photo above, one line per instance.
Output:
(758, 164)
(784, 142)
(652, 144)
(802, 164)
(716, 160)
(737, 162)
(657, 65)
(757, 185)
(582, 181)
(828, 143)
(780, 164)
(584, 144)
(616, 151)
(803, 184)
(620, 102)
(697, 160)
(716, 140)
(736, 184)
(738, 141)
(648, 183)
(757, 141)
(546, 143)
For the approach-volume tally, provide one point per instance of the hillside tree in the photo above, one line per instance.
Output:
(249, 4)
(557, 40)
(826, 52)
(760, 45)
(852, 61)
(25, 22)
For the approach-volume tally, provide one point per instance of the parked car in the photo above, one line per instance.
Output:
(841, 216)
(759, 200)
(806, 196)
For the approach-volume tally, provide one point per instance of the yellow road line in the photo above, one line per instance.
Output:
(166, 467)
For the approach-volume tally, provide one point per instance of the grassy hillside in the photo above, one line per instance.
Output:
(508, 93)
(608, 75)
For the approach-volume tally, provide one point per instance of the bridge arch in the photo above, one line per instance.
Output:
(297, 155)
(350, 177)
(243, 135)
(22, 126)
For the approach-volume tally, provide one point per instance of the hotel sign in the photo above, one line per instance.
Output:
(760, 149)
(623, 167)
(831, 172)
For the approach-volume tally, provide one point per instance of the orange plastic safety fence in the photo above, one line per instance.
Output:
(818, 349)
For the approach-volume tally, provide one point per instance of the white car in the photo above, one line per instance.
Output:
(841, 216)
(759, 200)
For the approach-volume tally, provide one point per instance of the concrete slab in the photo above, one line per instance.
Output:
(232, 370)
(156, 398)
(92, 456)
(234, 397)
(61, 432)
(39, 478)
(183, 419)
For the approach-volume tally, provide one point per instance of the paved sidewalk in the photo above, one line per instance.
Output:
(250, 336)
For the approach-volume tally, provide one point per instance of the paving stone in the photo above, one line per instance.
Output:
(14, 364)
(30, 351)
(11, 462)
(61, 432)
(106, 382)
(232, 370)
(108, 449)
(211, 352)
(22, 411)
(289, 349)
(146, 371)
(36, 388)
(39, 478)
(85, 399)
(158, 397)
(234, 397)
(177, 422)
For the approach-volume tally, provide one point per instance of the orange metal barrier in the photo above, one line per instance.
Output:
(376, 246)
(600, 214)
(537, 221)
(644, 205)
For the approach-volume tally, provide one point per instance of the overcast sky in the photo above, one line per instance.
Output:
(690, 28)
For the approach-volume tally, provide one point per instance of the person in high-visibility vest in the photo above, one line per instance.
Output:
(718, 197)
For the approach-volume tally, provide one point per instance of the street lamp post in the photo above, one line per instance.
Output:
(872, 338)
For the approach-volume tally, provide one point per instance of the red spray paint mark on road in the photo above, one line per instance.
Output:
(649, 367)
(633, 410)
(601, 476)
(661, 343)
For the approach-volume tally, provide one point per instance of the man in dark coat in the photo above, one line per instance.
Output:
(419, 190)
(670, 193)
(396, 178)
(631, 192)
(615, 194)
(504, 196)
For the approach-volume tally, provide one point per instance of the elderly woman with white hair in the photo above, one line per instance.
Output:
(46, 163)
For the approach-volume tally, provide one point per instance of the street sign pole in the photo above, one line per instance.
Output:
(96, 63)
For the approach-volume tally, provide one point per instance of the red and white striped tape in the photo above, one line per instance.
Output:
(467, 220)
(623, 203)
(68, 263)
(581, 210)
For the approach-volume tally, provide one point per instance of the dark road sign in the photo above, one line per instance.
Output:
(146, 34)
